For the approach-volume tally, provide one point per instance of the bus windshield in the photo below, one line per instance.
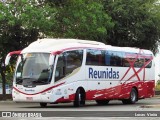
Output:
(33, 69)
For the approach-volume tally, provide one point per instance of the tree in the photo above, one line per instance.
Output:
(133, 23)
(21, 22)
(83, 19)
(136, 23)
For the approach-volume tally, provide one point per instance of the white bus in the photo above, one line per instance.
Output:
(72, 70)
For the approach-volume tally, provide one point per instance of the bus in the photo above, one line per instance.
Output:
(52, 71)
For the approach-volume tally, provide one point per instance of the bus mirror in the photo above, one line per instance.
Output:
(9, 56)
(7, 59)
(51, 59)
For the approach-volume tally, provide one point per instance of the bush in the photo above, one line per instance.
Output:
(157, 86)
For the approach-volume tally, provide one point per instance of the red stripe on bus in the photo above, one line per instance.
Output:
(131, 62)
(15, 53)
(41, 91)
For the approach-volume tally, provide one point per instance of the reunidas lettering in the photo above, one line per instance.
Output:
(107, 74)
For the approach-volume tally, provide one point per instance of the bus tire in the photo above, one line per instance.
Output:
(79, 98)
(43, 105)
(102, 102)
(133, 97)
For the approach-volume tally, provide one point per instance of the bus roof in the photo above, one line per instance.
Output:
(50, 45)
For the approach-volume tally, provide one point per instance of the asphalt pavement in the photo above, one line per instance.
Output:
(146, 109)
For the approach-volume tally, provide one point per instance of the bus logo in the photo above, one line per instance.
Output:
(103, 74)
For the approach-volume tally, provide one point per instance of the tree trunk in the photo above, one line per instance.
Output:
(3, 80)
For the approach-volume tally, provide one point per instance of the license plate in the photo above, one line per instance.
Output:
(29, 98)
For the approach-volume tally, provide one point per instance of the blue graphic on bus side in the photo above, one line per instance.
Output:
(103, 74)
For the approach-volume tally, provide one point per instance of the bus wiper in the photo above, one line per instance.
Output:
(45, 70)
(40, 81)
(26, 78)
(20, 79)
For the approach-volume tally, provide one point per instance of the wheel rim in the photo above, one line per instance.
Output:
(80, 99)
(133, 96)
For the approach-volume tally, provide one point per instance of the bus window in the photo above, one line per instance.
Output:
(119, 57)
(95, 57)
(60, 68)
(67, 62)
(73, 60)
(125, 62)
(129, 59)
(113, 58)
(150, 64)
(108, 58)
(139, 62)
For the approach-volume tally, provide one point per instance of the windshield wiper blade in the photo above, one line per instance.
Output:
(18, 80)
(41, 81)
(26, 78)
(45, 70)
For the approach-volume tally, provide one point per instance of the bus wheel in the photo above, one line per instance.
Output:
(102, 102)
(133, 97)
(43, 105)
(79, 98)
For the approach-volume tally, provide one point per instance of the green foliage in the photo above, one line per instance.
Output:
(21, 21)
(133, 23)
(9, 75)
(116, 22)
(157, 86)
(0, 79)
(136, 23)
(83, 19)
(158, 82)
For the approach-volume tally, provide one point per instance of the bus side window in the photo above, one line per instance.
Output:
(139, 62)
(150, 64)
(95, 57)
(60, 68)
(113, 61)
(73, 60)
(119, 58)
(67, 63)
(113, 58)
(107, 58)
(125, 63)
